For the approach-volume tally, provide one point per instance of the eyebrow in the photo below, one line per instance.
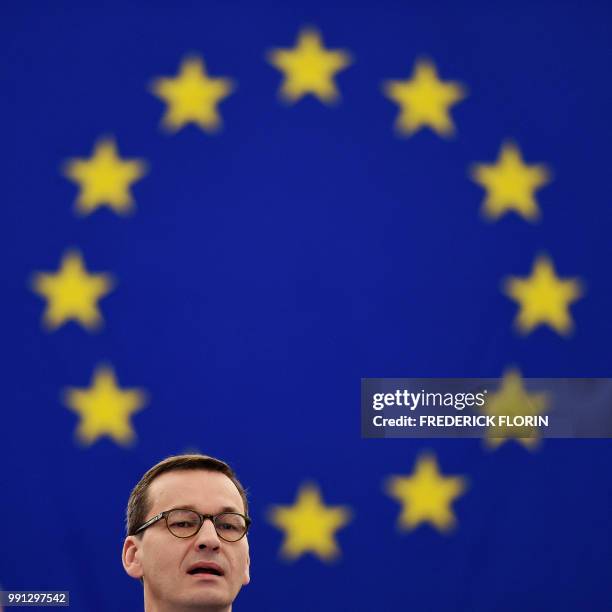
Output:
(193, 507)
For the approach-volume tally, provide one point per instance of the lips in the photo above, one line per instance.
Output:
(204, 568)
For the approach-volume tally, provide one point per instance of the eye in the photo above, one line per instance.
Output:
(228, 527)
(182, 524)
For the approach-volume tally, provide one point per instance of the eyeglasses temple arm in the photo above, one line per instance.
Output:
(149, 522)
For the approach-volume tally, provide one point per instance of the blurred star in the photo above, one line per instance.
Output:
(309, 68)
(105, 178)
(543, 297)
(309, 525)
(105, 408)
(72, 293)
(424, 100)
(510, 184)
(512, 399)
(426, 496)
(192, 96)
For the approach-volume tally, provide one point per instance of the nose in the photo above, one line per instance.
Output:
(207, 536)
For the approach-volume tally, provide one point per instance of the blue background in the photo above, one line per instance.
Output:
(269, 268)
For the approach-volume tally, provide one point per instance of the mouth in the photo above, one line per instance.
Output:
(205, 569)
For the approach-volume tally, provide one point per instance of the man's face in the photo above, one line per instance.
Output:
(164, 560)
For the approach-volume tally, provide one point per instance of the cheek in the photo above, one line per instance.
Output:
(162, 561)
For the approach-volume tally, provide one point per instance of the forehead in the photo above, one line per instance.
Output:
(202, 490)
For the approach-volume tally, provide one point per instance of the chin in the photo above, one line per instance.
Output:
(203, 599)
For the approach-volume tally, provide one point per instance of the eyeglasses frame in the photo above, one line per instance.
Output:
(202, 517)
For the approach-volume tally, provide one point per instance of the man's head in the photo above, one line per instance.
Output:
(164, 562)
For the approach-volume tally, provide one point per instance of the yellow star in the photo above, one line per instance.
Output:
(309, 525)
(105, 178)
(426, 496)
(424, 100)
(512, 399)
(105, 408)
(510, 184)
(309, 68)
(544, 298)
(192, 96)
(72, 293)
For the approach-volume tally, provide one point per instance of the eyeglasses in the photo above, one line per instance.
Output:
(184, 523)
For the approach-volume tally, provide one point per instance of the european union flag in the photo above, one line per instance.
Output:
(219, 217)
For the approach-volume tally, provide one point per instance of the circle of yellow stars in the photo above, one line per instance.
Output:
(309, 69)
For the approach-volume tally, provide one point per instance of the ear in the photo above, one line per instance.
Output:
(131, 557)
(247, 575)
